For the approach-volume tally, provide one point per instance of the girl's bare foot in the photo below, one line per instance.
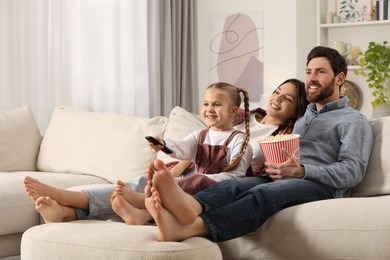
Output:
(51, 211)
(170, 229)
(35, 189)
(182, 205)
(136, 199)
(130, 214)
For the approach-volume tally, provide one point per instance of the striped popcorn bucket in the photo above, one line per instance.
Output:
(271, 147)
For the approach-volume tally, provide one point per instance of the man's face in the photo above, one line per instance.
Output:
(321, 86)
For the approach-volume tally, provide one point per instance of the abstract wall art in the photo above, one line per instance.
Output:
(236, 51)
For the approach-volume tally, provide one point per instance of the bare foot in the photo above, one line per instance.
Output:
(170, 229)
(51, 211)
(130, 214)
(182, 205)
(136, 199)
(149, 177)
(35, 189)
(150, 171)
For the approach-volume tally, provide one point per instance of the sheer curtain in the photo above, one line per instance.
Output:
(88, 54)
(134, 57)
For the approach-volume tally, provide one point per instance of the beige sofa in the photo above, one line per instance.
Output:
(83, 148)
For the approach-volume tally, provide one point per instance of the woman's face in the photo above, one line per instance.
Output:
(283, 102)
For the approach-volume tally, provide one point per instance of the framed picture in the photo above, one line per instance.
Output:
(354, 10)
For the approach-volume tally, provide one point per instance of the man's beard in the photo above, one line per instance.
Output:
(325, 92)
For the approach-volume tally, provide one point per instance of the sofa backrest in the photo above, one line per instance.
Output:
(377, 178)
(113, 146)
(19, 140)
(106, 145)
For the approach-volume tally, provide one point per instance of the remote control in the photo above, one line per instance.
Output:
(155, 142)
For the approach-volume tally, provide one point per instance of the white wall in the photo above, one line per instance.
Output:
(289, 35)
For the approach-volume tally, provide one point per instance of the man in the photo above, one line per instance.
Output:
(336, 143)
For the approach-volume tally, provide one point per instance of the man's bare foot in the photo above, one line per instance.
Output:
(35, 189)
(150, 171)
(170, 229)
(149, 176)
(51, 211)
(136, 199)
(130, 214)
(182, 205)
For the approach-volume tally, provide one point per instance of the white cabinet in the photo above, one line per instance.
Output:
(359, 34)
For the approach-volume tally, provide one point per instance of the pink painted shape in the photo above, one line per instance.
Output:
(238, 53)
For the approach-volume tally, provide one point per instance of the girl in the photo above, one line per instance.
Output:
(219, 152)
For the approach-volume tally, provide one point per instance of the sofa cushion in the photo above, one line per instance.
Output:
(180, 123)
(10, 247)
(102, 144)
(93, 239)
(377, 178)
(19, 140)
(348, 228)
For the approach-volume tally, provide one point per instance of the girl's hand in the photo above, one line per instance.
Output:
(156, 147)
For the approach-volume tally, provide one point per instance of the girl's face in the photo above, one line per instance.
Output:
(283, 102)
(217, 110)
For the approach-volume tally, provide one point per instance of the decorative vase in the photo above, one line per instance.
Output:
(381, 110)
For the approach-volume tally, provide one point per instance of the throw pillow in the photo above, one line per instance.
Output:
(180, 123)
(19, 140)
(106, 145)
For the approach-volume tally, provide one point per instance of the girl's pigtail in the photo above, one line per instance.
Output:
(236, 161)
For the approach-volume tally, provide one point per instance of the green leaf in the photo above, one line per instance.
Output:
(375, 68)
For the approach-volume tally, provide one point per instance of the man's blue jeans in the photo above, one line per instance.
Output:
(234, 208)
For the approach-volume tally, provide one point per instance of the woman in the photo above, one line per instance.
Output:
(286, 104)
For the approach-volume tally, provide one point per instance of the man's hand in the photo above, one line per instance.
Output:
(287, 170)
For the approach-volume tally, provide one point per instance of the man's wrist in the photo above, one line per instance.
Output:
(301, 172)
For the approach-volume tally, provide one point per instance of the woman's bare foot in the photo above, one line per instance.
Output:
(136, 199)
(170, 229)
(182, 205)
(35, 189)
(130, 214)
(51, 211)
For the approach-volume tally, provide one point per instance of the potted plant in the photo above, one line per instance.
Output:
(375, 67)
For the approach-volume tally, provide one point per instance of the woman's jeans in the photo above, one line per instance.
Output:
(234, 208)
(99, 198)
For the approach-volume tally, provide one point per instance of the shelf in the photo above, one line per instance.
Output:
(339, 25)
(359, 34)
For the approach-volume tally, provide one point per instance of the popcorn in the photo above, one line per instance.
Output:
(272, 145)
(275, 138)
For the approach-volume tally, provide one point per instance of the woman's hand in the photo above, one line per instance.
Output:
(287, 170)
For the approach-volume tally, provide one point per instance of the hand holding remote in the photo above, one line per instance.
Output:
(154, 141)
